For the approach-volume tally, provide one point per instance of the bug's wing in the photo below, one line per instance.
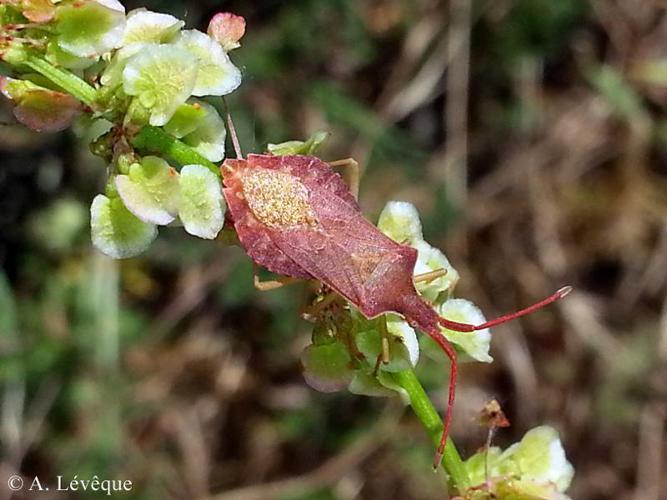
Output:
(351, 255)
(255, 237)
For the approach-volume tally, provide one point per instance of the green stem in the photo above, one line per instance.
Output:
(427, 414)
(64, 79)
(154, 139)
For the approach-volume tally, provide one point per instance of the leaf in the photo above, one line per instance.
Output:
(307, 148)
(90, 28)
(365, 384)
(399, 328)
(115, 231)
(145, 26)
(403, 344)
(217, 75)
(327, 367)
(59, 57)
(38, 108)
(474, 344)
(400, 221)
(624, 99)
(227, 29)
(151, 190)
(162, 78)
(8, 323)
(38, 11)
(201, 206)
(208, 138)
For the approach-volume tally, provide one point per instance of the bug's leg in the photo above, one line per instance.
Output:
(428, 277)
(350, 174)
(444, 344)
(453, 372)
(265, 286)
(313, 311)
(383, 357)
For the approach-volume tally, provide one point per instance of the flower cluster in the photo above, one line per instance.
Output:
(145, 70)
(535, 467)
(138, 80)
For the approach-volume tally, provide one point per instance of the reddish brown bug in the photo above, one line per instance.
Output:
(296, 217)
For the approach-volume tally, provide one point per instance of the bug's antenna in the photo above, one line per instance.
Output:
(465, 327)
(232, 131)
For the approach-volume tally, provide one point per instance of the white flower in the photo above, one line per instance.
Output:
(399, 327)
(202, 207)
(400, 221)
(431, 259)
(541, 458)
(208, 139)
(162, 77)
(217, 75)
(90, 29)
(144, 26)
(150, 191)
(474, 344)
(115, 231)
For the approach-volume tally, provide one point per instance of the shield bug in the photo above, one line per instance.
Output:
(295, 216)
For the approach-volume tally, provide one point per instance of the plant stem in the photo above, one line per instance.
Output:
(155, 139)
(427, 414)
(67, 81)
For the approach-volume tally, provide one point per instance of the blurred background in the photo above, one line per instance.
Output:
(532, 136)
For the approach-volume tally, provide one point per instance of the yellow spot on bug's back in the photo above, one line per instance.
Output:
(277, 199)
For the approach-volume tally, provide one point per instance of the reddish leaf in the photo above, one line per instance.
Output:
(39, 11)
(38, 108)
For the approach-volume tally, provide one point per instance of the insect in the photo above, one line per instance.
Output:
(295, 216)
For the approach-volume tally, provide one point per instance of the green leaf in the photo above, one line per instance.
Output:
(217, 75)
(402, 343)
(162, 78)
(8, 322)
(618, 92)
(365, 384)
(151, 190)
(38, 108)
(115, 231)
(298, 147)
(59, 57)
(327, 367)
(201, 207)
(90, 27)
